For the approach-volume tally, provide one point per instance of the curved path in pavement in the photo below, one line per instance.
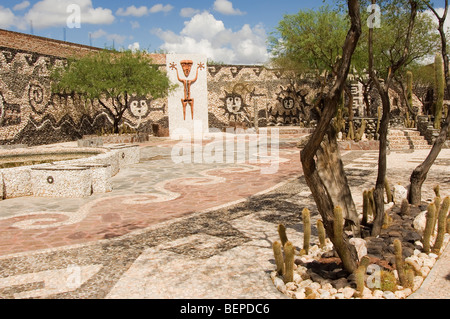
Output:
(179, 230)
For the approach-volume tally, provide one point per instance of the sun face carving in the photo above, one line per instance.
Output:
(285, 111)
(234, 106)
(139, 107)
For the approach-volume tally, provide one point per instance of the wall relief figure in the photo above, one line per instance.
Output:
(286, 110)
(10, 114)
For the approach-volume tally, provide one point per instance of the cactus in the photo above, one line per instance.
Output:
(282, 234)
(372, 201)
(379, 117)
(366, 208)
(399, 264)
(442, 221)
(429, 228)
(289, 254)
(365, 262)
(278, 254)
(322, 233)
(387, 187)
(405, 209)
(437, 191)
(306, 215)
(440, 89)
(437, 203)
(360, 276)
(388, 281)
(359, 134)
(410, 275)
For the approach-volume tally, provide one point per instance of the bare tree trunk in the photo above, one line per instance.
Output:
(325, 149)
(420, 174)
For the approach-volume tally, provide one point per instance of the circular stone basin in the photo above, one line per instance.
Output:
(11, 160)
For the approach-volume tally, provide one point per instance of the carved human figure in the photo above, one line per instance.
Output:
(186, 65)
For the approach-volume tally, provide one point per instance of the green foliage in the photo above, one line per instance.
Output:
(388, 282)
(309, 41)
(111, 77)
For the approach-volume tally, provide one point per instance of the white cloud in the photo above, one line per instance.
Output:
(21, 6)
(188, 12)
(7, 18)
(53, 13)
(135, 25)
(133, 11)
(98, 34)
(134, 47)
(226, 7)
(206, 35)
(143, 10)
(160, 8)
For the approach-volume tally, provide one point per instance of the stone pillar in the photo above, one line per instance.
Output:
(188, 104)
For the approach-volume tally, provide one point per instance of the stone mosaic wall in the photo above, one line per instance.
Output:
(31, 114)
(237, 93)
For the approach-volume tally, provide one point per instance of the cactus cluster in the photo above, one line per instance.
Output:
(285, 264)
(359, 134)
(399, 263)
(442, 225)
(387, 188)
(368, 206)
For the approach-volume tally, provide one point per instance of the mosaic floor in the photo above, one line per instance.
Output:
(171, 230)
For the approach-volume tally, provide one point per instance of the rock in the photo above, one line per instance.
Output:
(291, 286)
(315, 286)
(327, 287)
(378, 294)
(305, 283)
(325, 295)
(434, 256)
(367, 293)
(360, 245)
(429, 262)
(328, 254)
(340, 283)
(279, 284)
(300, 294)
(400, 193)
(402, 294)
(420, 222)
(425, 271)
(411, 237)
(339, 296)
(389, 295)
(348, 292)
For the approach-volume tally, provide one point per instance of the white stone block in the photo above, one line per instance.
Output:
(16, 182)
(66, 182)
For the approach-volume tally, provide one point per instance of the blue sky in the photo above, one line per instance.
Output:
(230, 31)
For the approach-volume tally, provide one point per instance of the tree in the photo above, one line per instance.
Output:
(322, 166)
(419, 175)
(111, 77)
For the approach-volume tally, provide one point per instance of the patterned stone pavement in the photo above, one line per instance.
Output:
(195, 231)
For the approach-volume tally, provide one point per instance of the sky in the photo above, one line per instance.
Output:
(228, 31)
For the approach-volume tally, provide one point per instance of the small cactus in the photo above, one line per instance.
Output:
(405, 209)
(289, 254)
(387, 187)
(365, 261)
(372, 201)
(322, 233)
(367, 208)
(282, 234)
(278, 254)
(437, 191)
(410, 275)
(360, 275)
(440, 90)
(431, 215)
(442, 221)
(306, 215)
(399, 264)
(437, 203)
